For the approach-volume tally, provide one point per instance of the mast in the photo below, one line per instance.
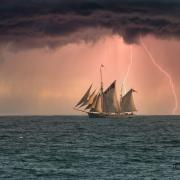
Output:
(120, 100)
(121, 93)
(101, 90)
(101, 78)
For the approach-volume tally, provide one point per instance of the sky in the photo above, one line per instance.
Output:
(51, 51)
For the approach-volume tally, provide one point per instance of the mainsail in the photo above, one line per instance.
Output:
(110, 99)
(84, 99)
(127, 102)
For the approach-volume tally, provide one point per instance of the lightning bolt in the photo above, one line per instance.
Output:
(166, 74)
(129, 68)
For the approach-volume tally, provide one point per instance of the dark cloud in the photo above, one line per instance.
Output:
(37, 23)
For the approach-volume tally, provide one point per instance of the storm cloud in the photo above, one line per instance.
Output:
(52, 23)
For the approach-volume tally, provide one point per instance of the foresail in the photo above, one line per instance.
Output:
(91, 97)
(110, 102)
(127, 102)
(93, 105)
(90, 100)
(85, 97)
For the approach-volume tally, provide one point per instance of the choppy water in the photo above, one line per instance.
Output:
(82, 148)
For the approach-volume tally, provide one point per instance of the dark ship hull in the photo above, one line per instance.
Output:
(110, 115)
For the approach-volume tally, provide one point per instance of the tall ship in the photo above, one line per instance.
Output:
(105, 103)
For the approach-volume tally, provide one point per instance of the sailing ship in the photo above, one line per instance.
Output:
(105, 103)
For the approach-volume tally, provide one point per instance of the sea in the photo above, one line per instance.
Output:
(79, 148)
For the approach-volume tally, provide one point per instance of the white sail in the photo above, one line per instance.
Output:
(84, 99)
(99, 103)
(127, 102)
(110, 99)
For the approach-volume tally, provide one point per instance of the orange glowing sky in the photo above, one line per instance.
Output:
(51, 81)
